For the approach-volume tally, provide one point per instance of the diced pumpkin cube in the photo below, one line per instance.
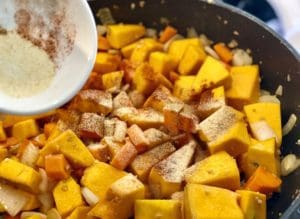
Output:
(155, 137)
(211, 74)
(183, 87)
(95, 101)
(210, 101)
(2, 132)
(25, 129)
(3, 153)
(32, 201)
(202, 202)
(192, 59)
(67, 196)
(270, 112)
(106, 62)
(56, 166)
(149, 209)
(79, 213)
(162, 63)
(19, 174)
(143, 163)
(212, 171)
(160, 98)
(127, 50)
(112, 80)
(124, 156)
(253, 204)
(121, 35)
(143, 50)
(245, 87)
(166, 176)
(91, 125)
(178, 47)
(264, 154)
(99, 177)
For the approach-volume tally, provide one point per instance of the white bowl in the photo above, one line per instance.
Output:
(73, 71)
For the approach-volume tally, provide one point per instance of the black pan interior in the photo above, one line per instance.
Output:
(222, 23)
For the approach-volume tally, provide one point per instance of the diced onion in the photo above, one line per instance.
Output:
(44, 180)
(47, 201)
(279, 91)
(90, 197)
(264, 92)
(288, 164)
(232, 44)
(241, 57)
(27, 214)
(30, 155)
(101, 30)
(53, 214)
(211, 52)
(204, 40)
(191, 32)
(11, 199)
(289, 125)
(262, 131)
(268, 99)
(152, 33)
(105, 16)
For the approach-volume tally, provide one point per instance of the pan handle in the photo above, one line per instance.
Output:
(293, 212)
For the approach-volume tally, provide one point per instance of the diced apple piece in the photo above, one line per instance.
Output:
(91, 125)
(137, 98)
(188, 120)
(138, 138)
(109, 127)
(99, 151)
(156, 137)
(122, 100)
(68, 119)
(171, 117)
(120, 130)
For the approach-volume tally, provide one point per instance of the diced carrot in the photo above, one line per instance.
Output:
(48, 128)
(124, 156)
(263, 181)
(138, 138)
(224, 53)
(103, 43)
(173, 76)
(56, 166)
(167, 34)
(94, 81)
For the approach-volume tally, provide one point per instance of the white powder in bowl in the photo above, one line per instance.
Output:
(25, 69)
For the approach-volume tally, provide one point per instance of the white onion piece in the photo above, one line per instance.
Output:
(46, 200)
(90, 197)
(191, 32)
(289, 125)
(288, 164)
(241, 57)
(53, 214)
(101, 30)
(11, 199)
(279, 91)
(204, 40)
(264, 92)
(152, 33)
(44, 180)
(262, 131)
(30, 155)
(211, 52)
(268, 99)
(27, 214)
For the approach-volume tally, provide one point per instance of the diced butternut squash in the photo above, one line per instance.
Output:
(112, 80)
(219, 169)
(155, 137)
(162, 63)
(2, 132)
(166, 176)
(270, 112)
(178, 47)
(79, 213)
(99, 177)
(202, 202)
(263, 181)
(127, 50)
(20, 174)
(95, 101)
(210, 101)
(94, 81)
(3, 153)
(143, 163)
(211, 74)
(91, 125)
(25, 129)
(253, 204)
(245, 87)
(167, 34)
(56, 166)
(183, 87)
(223, 52)
(149, 209)
(264, 154)
(67, 196)
(138, 138)
(103, 43)
(121, 35)
(143, 50)
(106, 62)
(192, 59)
(124, 156)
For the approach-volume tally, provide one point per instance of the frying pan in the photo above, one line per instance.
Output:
(222, 23)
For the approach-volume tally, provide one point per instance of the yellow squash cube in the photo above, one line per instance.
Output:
(183, 87)
(67, 196)
(106, 62)
(113, 79)
(143, 49)
(162, 62)
(3, 153)
(270, 112)
(203, 202)
(166, 177)
(263, 153)
(25, 129)
(99, 177)
(211, 74)
(143, 163)
(121, 35)
(32, 202)
(219, 169)
(20, 174)
(253, 204)
(150, 209)
(245, 87)
(192, 59)
(80, 213)
(178, 47)
(2, 132)
(127, 50)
